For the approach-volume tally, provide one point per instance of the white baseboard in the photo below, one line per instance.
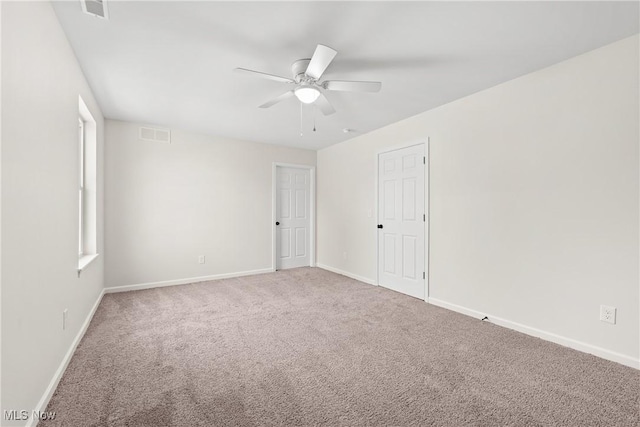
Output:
(44, 401)
(139, 286)
(558, 339)
(346, 273)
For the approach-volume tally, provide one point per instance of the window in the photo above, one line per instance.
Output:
(81, 193)
(87, 187)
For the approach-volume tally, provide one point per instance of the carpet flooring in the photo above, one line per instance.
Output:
(309, 347)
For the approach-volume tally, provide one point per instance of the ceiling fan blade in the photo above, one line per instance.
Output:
(320, 60)
(350, 86)
(324, 105)
(277, 99)
(265, 75)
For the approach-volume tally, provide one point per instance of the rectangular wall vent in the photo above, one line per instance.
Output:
(155, 135)
(97, 8)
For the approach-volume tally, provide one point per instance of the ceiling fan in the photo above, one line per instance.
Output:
(306, 78)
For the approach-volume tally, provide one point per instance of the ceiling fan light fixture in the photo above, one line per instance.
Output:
(307, 94)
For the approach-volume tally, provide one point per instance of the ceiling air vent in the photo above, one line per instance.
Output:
(96, 8)
(155, 135)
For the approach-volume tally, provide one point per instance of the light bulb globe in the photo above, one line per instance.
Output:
(307, 94)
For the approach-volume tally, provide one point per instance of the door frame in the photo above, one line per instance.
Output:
(312, 211)
(427, 177)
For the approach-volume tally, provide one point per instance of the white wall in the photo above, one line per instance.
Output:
(41, 81)
(199, 195)
(534, 199)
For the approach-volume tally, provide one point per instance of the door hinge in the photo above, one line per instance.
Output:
(424, 275)
(424, 160)
(424, 217)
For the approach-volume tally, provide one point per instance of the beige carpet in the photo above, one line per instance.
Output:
(309, 347)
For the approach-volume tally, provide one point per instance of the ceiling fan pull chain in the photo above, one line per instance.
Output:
(301, 119)
(314, 119)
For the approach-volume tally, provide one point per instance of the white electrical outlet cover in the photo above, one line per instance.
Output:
(608, 314)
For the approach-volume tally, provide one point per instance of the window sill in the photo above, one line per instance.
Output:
(85, 261)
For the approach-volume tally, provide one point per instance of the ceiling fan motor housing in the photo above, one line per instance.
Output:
(298, 69)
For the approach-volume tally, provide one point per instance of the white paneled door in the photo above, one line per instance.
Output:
(293, 217)
(402, 220)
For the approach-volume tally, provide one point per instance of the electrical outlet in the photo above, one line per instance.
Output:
(64, 319)
(608, 314)
(201, 259)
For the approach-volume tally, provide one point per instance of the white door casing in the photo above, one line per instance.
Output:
(293, 217)
(402, 220)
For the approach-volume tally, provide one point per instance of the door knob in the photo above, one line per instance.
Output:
(277, 222)
(379, 225)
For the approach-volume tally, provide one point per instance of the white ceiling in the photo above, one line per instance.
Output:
(171, 63)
